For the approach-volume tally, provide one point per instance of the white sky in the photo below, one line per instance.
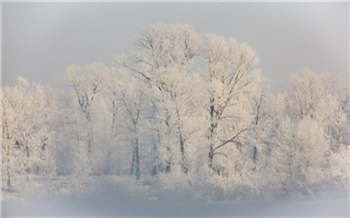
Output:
(39, 40)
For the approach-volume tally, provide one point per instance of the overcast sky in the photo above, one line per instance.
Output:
(41, 39)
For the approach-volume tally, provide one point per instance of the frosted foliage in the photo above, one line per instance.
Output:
(27, 137)
(305, 91)
(164, 44)
(88, 83)
(282, 152)
(340, 165)
(233, 79)
(231, 66)
(333, 120)
(184, 117)
(162, 64)
(313, 146)
(163, 51)
(82, 168)
(311, 142)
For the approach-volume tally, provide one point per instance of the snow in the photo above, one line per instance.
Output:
(124, 197)
(95, 207)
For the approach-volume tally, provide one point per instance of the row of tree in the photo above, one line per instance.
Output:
(181, 105)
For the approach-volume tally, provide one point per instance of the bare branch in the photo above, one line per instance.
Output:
(220, 154)
(231, 139)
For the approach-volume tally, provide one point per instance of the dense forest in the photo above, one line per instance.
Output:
(180, 110)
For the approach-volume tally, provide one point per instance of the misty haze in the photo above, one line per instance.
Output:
(181, 122)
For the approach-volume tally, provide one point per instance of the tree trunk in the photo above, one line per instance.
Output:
(167, 166)
(90, 141)
(183, 157)
(8, 167)
(90, 147)
(137, 160)
(27, 163)
(211, 155)
(154, 160)
(133, 160)
(212, 132)
(182, 144)
(255, 154)
(168, 162)
(108, 164)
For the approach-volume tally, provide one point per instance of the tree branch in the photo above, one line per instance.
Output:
(231, 139)
(220, 154)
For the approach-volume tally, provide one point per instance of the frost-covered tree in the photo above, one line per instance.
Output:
(115, 82)
(87, 83)
(8, 126)
(316, 132)
(162, 61)
(179, 104)
(27, 132)
(233, 78)
(304, 92)
(133, 104)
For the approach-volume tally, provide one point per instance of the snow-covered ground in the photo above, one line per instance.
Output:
(111, 207)
(125, 199)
